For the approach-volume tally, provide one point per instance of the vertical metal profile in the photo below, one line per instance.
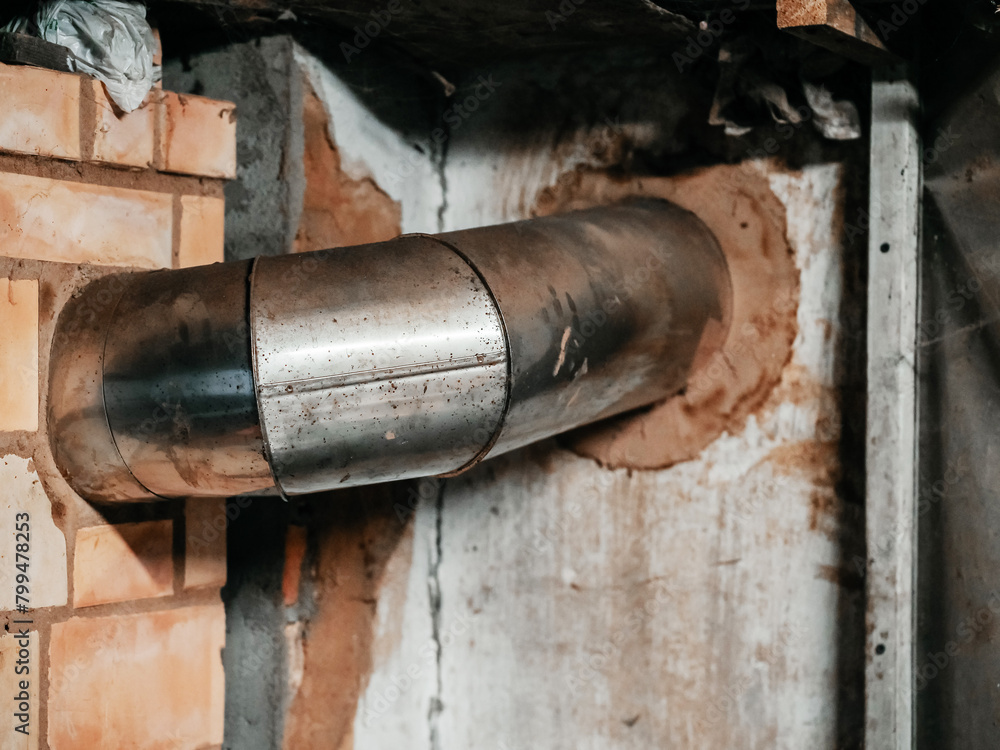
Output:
(894, 246)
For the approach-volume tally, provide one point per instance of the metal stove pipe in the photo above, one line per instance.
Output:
(419, 356)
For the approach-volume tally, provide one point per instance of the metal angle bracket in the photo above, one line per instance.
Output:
(891, 440)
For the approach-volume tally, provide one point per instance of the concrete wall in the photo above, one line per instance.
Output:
(616, 588)
(550, 602)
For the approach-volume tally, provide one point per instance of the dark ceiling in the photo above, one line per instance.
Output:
(455, 33)
(956, 37)
(446, 34)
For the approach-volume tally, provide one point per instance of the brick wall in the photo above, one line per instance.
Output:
(124, 618)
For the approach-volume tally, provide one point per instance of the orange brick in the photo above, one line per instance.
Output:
(18, 355)
(40, 112)
(48, 219)
(123, 562)
(21, 492)
(11, 686)
(198, 136)
(203, 231)
(150, 681)
(205, 548)
(127, 139)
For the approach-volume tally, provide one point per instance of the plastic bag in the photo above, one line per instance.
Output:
(108, 39)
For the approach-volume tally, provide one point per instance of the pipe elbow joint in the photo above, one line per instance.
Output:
(419, 356)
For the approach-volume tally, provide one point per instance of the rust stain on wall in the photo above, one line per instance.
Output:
(338, 211)
(737, 204)
(818, 463)
(355, 536)
(295, 552)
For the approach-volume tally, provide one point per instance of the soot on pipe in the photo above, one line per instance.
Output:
(419, 356)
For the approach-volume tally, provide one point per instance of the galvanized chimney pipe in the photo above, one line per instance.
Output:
(419, 356)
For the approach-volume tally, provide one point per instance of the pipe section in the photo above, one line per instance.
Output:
(419, 356)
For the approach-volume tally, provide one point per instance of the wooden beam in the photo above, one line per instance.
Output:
(22, 49)
(835, 25)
